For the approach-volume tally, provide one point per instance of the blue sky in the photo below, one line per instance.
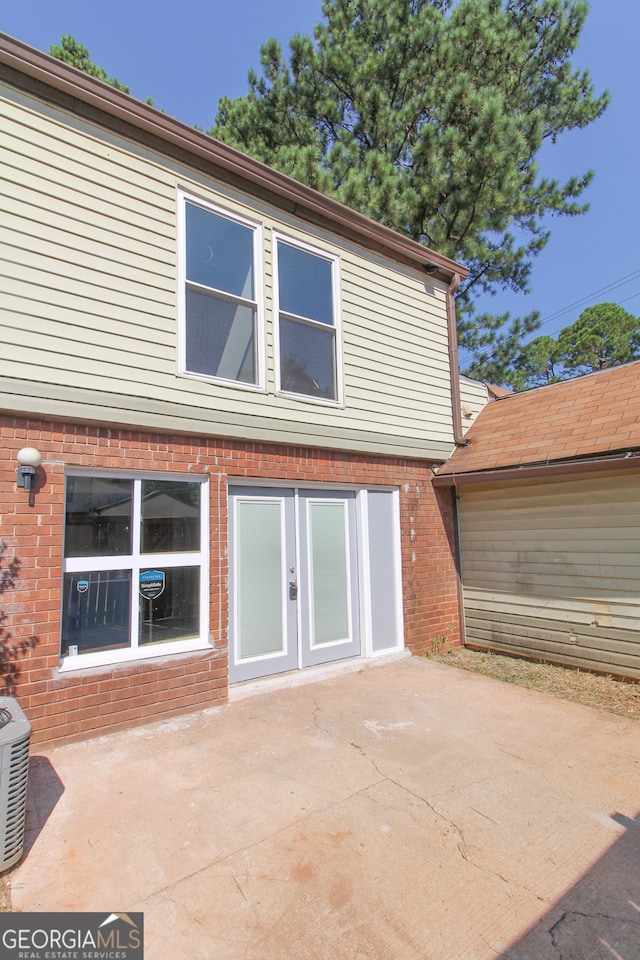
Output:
(187, 55)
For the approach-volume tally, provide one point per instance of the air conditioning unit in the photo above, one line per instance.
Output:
(15, 734)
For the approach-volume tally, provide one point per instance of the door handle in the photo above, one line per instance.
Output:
(293, 589)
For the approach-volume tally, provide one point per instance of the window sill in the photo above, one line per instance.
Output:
(113, 658)
(305, 398)
(221, 382)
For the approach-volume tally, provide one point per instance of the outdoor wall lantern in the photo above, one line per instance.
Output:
(28, 459)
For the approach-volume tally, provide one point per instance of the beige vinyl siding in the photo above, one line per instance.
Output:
(473, 398)
(89, 303)
(551, 569)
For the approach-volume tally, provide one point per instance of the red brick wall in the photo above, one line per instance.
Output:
(64, 707)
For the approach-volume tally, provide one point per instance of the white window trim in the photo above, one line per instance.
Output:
(135, 561)
(334, 260)
(258, 273)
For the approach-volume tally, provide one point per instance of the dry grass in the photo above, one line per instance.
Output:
(604, 693)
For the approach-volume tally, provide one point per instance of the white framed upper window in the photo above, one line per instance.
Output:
(220, 295)
(308, 361)
(135, 568)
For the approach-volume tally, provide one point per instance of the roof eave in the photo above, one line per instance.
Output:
(626, 458)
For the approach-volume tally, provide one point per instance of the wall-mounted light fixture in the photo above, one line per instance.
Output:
(28, 459)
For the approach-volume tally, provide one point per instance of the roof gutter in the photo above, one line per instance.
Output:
(629, 458)
(454, 373)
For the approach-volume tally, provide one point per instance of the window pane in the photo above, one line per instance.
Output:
(307, 359)
(260, 581)
(304, 283)
(170, 516)
(219, 252)
(98, 517)
(329, 580)
(95, 610)
(220, 338)
(175, 613)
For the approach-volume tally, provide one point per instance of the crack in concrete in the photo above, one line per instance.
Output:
(462, 846)
(593, 916)
(237, 883)
(485, 815)
(515, 755)
(553, 935)
(363, 753)
(318, 726)
(495, 950)
(250, 846)
(568, 914)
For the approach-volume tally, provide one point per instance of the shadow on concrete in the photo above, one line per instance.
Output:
(599, 917)
(43, 792)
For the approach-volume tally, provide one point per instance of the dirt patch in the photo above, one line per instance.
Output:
(604, 693)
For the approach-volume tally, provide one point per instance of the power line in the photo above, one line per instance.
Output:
(591, 296)
(632, 297)
(613, 285)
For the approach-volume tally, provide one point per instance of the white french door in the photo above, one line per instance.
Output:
(293, 580)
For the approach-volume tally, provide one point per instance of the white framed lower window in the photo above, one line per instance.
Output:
(135, 568)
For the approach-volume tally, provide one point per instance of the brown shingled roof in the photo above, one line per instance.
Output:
(496, 392)
(591, 416)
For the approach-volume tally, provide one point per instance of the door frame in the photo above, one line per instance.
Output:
(362, 587)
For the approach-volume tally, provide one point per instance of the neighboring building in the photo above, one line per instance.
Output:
(548, 503)
(474, 396)
(238, 388)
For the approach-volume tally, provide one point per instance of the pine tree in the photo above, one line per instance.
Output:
(73, 53)
(428, 116)
(604, 335)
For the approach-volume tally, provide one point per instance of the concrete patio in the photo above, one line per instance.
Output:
(403, 812)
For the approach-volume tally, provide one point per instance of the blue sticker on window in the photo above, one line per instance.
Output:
(151, 584)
